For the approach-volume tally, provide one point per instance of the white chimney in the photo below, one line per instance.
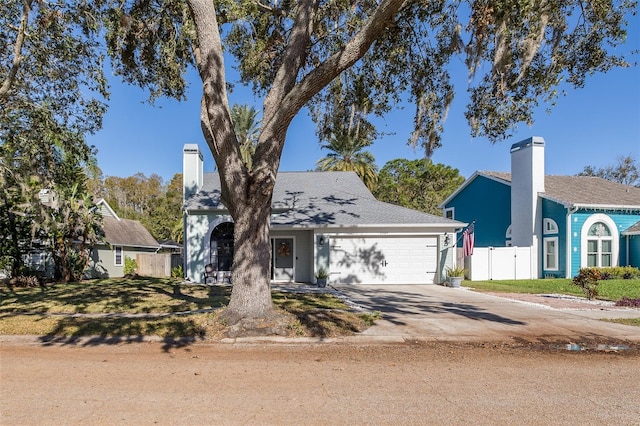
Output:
(527, 181)
(192, 174)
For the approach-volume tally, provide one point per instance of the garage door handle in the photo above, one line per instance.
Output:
(384, 263)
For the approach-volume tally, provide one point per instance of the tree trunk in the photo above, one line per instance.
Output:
(251, 277)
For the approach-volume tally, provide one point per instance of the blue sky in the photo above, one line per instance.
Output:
(589, 126)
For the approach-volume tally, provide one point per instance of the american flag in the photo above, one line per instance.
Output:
(467, 240)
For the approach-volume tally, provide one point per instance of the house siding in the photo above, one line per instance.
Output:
(102, 264)
(623, 220)
(633, 243)
(558, 213)
(487, 202)
(303, 253)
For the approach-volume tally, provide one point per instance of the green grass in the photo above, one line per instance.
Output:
(608, 289)
(134, 296)
(626, 321)
(36, 311)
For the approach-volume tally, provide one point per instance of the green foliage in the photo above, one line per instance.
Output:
(587, 279)
(247, 128)
(157, 206)
(130, 266)
(619, 273)
(51, 95)
(322, 273)
(417, 184)
(347, 154)
(456, 272)
(177, 272)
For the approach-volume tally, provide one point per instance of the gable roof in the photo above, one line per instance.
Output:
(573, 191)
(322, 199)
(124, 232)
(632, 230)
(127, 232)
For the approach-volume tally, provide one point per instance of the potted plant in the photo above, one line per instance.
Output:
(455, 275)
(321, 277)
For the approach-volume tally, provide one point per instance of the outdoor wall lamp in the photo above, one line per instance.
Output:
(321, 241)
(447, 240)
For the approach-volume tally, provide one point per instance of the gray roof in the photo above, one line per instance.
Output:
(127, 232)
(319, 199)
(632, 230)
(582, 190)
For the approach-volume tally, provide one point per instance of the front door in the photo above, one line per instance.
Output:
(283, 259)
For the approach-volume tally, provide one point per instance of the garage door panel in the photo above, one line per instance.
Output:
(383, 260)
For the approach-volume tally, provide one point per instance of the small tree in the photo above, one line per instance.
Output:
(587, 279)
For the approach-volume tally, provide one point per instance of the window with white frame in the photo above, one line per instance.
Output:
(551, 253)
(599, 245)
(119, 259)
(507, 236)
(599, 242)
(449, 213)
(549, 226)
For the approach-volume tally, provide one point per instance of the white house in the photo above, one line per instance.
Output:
(320, 220)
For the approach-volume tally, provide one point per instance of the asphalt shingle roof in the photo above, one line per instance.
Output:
(126, 232)
(583, 190)
(321, 199)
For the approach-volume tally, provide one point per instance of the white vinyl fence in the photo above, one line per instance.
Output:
(499, 263)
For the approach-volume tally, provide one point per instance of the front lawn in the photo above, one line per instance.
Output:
(608, 289)
(99, 308)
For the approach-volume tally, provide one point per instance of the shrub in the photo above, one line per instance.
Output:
(631, 303)
(130, 266)
(587, 280)
(619, 273)
(177, 272)
(24, 281)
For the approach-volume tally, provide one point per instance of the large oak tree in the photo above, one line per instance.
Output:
(517, 53)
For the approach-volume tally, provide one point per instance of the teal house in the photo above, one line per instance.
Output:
(566, 222)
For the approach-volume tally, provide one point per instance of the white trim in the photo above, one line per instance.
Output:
(293, 256)
(115, 256)
(615, 238)
(451, 210)
(549, 226)
(545, 253)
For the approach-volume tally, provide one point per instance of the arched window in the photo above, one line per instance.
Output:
(599, 245)
(221, 245)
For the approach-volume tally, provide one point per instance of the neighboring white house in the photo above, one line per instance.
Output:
(319, 220)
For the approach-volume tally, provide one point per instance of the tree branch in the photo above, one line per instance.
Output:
(17, 53)
(293, 59)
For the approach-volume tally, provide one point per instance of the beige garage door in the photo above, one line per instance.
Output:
(383, 260)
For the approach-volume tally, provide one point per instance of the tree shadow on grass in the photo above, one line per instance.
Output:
(83, 331)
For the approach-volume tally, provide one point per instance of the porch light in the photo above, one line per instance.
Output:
(321, 241)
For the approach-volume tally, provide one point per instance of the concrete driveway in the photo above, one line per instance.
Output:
(437, 313)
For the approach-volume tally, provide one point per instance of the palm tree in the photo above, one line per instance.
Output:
(348, 155)
(247, 128)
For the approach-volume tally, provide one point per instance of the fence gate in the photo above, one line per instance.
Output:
(157, 264)
(500, 263)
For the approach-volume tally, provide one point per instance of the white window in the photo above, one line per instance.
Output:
(119, 259)
(507, 236)
(551, 254)
(549, 226)
(599, 245)
(449, 213)
(599, 242)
